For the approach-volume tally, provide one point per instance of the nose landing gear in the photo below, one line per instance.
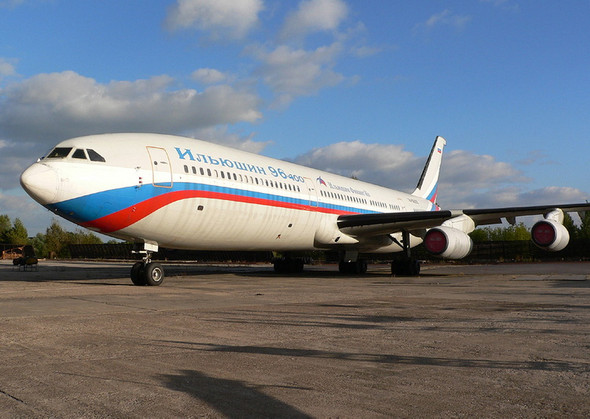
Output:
(147, 272)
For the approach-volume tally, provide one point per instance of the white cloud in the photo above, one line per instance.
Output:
(61, 105)
(444, 18)
(16, 205)
(221, 18)
(508, 5)
(221, 135)
(467, 180)
(465, 169)
(376, 163)
(365, 51)
(296, 72)
(511, 196)
(314, 15)
(210, 76)
(14, 158)
(7, 68)
(554, 195)
(11, 3)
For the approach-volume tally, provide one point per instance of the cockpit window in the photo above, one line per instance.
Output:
(94, 156)
(59, 153)
(79, 154)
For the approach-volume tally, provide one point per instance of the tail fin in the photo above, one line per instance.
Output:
(428, 184)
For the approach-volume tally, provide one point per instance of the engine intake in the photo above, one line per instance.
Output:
(550, 235)
(448, 242)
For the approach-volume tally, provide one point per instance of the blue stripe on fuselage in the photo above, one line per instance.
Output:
(97, 205)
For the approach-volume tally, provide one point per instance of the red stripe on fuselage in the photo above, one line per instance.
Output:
(125, 217)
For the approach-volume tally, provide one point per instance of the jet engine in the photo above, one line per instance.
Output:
(550, 235)
(448, 242)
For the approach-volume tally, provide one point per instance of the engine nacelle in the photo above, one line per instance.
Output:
(550, 235)
(448, 242)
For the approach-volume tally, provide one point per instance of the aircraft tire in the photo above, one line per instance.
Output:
(288, 266)
(362, 266)
(153, 274)
(353, 268)
(137, 276)
(413, 267)
(409, 267)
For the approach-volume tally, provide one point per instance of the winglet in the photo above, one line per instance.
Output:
(428, 184)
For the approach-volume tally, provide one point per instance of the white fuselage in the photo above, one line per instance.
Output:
(190, 194)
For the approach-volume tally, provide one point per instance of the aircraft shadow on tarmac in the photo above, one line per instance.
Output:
(390, 358)
(231, 398)
(96, 271)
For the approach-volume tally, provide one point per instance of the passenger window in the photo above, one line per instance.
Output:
(185, 168)
(94, 156)
(79, 154)
(202, 171)
(59, 153)
(194, 170)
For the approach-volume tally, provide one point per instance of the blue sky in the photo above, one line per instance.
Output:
(356, 87)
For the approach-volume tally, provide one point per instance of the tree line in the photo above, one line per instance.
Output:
(54, 243)
(522, 232)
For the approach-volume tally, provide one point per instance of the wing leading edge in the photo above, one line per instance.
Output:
(389, 223)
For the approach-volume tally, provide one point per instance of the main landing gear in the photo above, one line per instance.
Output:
(407, 266)
(288, 265)
(351, 264)
(146, 272)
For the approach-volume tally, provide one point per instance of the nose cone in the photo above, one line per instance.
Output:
(40, 182)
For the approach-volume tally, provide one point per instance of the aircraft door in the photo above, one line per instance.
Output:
(161, 168)
(312, 192)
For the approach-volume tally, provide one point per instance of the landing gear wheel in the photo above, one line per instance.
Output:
(356, 268)
(153, 274)
(410, 267)
(413, 267)
(137, 276)
(288, 266)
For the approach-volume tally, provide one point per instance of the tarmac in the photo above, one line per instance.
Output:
(77, 339)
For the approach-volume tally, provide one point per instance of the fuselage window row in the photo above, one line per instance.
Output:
(280, 185)
(242, 178)
(349, 198)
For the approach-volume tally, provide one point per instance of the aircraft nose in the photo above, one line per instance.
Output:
(40, 182)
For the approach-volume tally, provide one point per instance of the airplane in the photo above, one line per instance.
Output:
(170, 191)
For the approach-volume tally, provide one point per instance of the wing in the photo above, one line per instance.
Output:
(388, 223)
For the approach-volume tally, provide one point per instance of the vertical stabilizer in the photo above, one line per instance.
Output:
(428, 184)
